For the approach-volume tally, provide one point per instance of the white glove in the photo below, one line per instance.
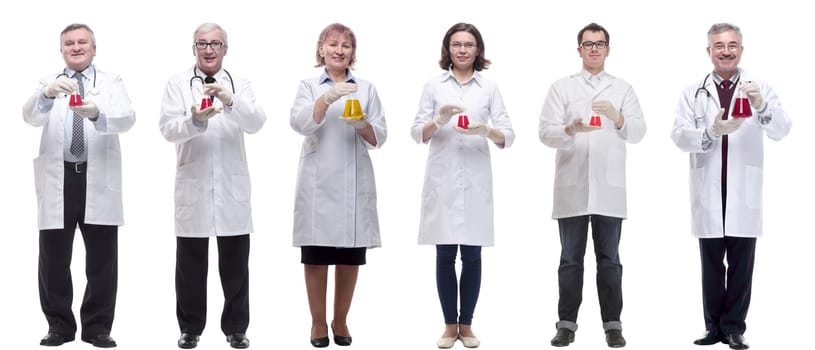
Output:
(356, 123)
(475, 129)
(88, 109)
(754, 95)
(446, 112)
(205, 114)
(63, 85)
(607, 109)
(338, 90)
(217, 90)
(723, 127)
(577, 125)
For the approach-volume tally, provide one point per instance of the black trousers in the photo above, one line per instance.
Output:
(191, 268)
(726, 290)
(101, 267)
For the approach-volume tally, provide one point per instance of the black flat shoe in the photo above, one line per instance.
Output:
(736, 341)
(187, 341)
(238, 340)
(319, 342)
(710, 338)
(564, 337)
(54, 339)
(101, 341)
(340, 340)
(614, 338)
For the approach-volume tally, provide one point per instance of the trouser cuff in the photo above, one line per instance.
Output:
(566, 324)
(612, 325)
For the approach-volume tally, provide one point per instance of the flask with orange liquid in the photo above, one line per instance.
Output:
(353, 109)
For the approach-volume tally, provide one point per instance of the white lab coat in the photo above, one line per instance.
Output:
(745, 161)
(103, 196)
(335, 199)
(590, 167)
(212, 185)
(457, 203)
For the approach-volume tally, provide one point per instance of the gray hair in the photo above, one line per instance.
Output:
(720, 28)
(208, 27)
(75, 26)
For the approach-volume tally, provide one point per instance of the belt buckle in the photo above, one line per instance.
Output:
(79, 167)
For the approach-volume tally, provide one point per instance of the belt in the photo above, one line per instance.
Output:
(79, 168)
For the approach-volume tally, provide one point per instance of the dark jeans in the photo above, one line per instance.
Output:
(101, 267)
(726, 291)
(573, 236)
(191, 283)
(448, 286)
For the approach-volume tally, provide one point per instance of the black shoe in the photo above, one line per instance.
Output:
(54, 339)
(736, 341)
(564, 337)
(340, 340)
(614, 338)
(319, 342)
(187, 341)
(101, 341)
(238, 340)
(709, 338)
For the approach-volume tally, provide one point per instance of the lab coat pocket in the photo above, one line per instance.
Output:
(186, 192)
(241, 188)
(615, 168)
(113, 169)
(701, 190)
(753, 179)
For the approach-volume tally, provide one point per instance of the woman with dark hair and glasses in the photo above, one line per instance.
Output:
(459, 112)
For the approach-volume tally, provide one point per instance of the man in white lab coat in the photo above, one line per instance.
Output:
(205, 113)
(78, 178)
(726, 165)
(589, 117)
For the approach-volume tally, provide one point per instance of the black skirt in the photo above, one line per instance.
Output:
(316, 255)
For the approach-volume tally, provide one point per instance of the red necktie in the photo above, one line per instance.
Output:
(725, 95)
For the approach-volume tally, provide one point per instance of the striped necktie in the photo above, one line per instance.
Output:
(78, 139)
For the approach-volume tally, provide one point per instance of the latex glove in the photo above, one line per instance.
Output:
(577, 125)
(723, 127)
(88, 109)
(60, 85)
(356, 123)
(607, 109)
(753, 94)
(217, 90)
(446, 112)
(475, 129)
(338, 90)
(205, 114)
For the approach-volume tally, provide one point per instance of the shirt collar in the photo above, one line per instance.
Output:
(326, 79)
(718, 80)
(88, 73)
(593, 78)
(448, 75)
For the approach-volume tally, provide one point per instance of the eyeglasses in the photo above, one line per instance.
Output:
(215, 45)
(597, 44)
(467, 46)
(729, 47)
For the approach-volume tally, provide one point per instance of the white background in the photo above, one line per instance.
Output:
(657, 47)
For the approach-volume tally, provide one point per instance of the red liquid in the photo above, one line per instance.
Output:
(595, 121)
(76, 100)
(741, 109)
(463, 121)
(205, 103)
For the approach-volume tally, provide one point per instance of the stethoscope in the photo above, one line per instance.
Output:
(208, 80)
(700, 108)
(94, 89)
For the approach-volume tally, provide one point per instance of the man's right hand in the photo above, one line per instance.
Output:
(723, 127)
(205, 114)
(577, 125)
(62, 84)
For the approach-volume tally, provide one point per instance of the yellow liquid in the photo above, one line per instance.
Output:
(353, 109)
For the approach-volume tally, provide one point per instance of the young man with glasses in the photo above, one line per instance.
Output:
(205, 112)
(590, 179)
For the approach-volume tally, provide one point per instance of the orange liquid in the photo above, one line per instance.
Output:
(353, 109)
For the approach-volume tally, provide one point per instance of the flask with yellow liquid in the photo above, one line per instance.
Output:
(353, 109)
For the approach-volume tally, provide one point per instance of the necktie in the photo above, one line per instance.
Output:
(78, 139)
(725, 95)
(209, 80)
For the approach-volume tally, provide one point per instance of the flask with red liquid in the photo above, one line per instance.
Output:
(595, 121)
(75, 100)
(463, 121)
(741, 108)
(206, 102)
